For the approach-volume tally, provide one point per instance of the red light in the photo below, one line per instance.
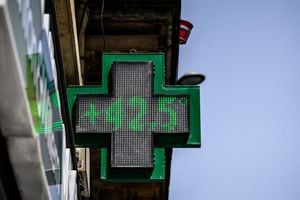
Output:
(185, 30)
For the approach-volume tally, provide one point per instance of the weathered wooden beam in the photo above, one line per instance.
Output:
(123, 43)
(65, 13)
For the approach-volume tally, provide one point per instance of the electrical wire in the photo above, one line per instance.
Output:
(81, 18)
(102, 26)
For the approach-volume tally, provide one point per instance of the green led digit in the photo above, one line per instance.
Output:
(114, 113)
(140, 102)
(92, 114)
(162, 107)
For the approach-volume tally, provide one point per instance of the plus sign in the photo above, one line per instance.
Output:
(132, 113)
(92, 114)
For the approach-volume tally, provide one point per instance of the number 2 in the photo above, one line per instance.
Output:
(140, 102)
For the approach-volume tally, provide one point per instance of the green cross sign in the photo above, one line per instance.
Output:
(133, 112)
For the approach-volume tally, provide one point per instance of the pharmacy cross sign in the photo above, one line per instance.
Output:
(133, 113)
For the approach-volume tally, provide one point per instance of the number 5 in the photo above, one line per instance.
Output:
(162, 107)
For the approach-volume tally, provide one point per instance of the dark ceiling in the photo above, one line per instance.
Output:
(122, 26)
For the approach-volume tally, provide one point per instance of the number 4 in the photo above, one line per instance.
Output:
(114, 113)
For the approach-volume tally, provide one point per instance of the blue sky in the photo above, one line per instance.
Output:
(249, 51)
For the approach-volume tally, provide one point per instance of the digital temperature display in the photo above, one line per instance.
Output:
(158, 114)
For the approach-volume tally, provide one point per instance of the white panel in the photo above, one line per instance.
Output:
(25, 156)
(72, 185)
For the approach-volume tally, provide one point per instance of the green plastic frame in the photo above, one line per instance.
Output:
(161, 141)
